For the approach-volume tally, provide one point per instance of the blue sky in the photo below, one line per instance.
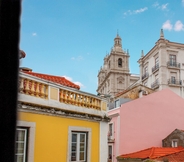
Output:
(71, 37)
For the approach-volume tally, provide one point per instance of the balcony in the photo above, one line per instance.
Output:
(48, 97)
(111, 139)
(145, 76)
(40, 90)
(155, 68)
(174, 82)
(155, 84)
(171, 64)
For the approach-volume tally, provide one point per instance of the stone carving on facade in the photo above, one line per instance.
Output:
(118, 67)
(55, 111)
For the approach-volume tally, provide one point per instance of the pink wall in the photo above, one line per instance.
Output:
(148, 120)
(116, 123)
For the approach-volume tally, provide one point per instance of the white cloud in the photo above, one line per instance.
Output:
(140, 10)
(34, 34)
(161, 7)
(179, 26)
(182, 2)
(79, 83)
(78, 58)
(67, 77)
(156, 4)
(164, 6)
(129, 12)
(70, 79)
(167, 25)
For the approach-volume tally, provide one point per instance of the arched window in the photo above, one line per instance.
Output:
(119, 62)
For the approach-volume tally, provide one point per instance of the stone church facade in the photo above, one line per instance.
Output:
(114, 76)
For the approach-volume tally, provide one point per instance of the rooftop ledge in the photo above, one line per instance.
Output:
(36, 91)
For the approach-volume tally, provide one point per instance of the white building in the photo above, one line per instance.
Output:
(163, 66)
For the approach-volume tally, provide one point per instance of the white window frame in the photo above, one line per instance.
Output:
(31, 140)
(112, 152)
(88, 141)
(117, 103)
(24, 142)
(146, 70)
(156, 61)
(111, 136)
(78, 142)
(174, 143)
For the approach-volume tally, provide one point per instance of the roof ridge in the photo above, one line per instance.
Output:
(138, 151)
(53, 78)
(44, 74)
(152, 152)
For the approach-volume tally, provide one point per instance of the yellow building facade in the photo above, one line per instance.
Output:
(57, 123)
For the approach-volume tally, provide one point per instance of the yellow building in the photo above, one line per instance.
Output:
(59, 123)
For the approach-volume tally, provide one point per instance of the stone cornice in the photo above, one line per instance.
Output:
(62, 113)
(158, 43)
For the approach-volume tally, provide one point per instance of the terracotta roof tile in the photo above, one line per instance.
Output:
(56, 79)
(175, 157)
(152, 153)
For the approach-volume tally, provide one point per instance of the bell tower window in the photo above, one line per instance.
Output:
(119, 62)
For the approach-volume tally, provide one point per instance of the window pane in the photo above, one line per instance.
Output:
(20, 135)
(110, 129)
(74, 147)
(82, 146)
(73, 158)
(74, 137)
(82, 156)
(82, 137)
(20, 150)
(19, 147)
(19, 158)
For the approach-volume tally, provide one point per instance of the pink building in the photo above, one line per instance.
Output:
(144, 122)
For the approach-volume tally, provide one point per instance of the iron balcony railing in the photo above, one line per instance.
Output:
(174, 82)
(155, 84)
(154, 68)
(144, 76)
(173, 64)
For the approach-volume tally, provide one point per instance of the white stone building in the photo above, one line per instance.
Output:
(115, 75)
(163, 66)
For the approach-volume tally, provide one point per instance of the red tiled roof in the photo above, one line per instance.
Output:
(152, 153)
(55, 79)
(175, 157)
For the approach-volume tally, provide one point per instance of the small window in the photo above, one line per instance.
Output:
(117, 103)
(174, 143)
(21, 145)
(79, 146)
(110, 129)
(110, 152)
(172, 58)
(173, 80)
(156, 61)
(119, 62)
(146, 70)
